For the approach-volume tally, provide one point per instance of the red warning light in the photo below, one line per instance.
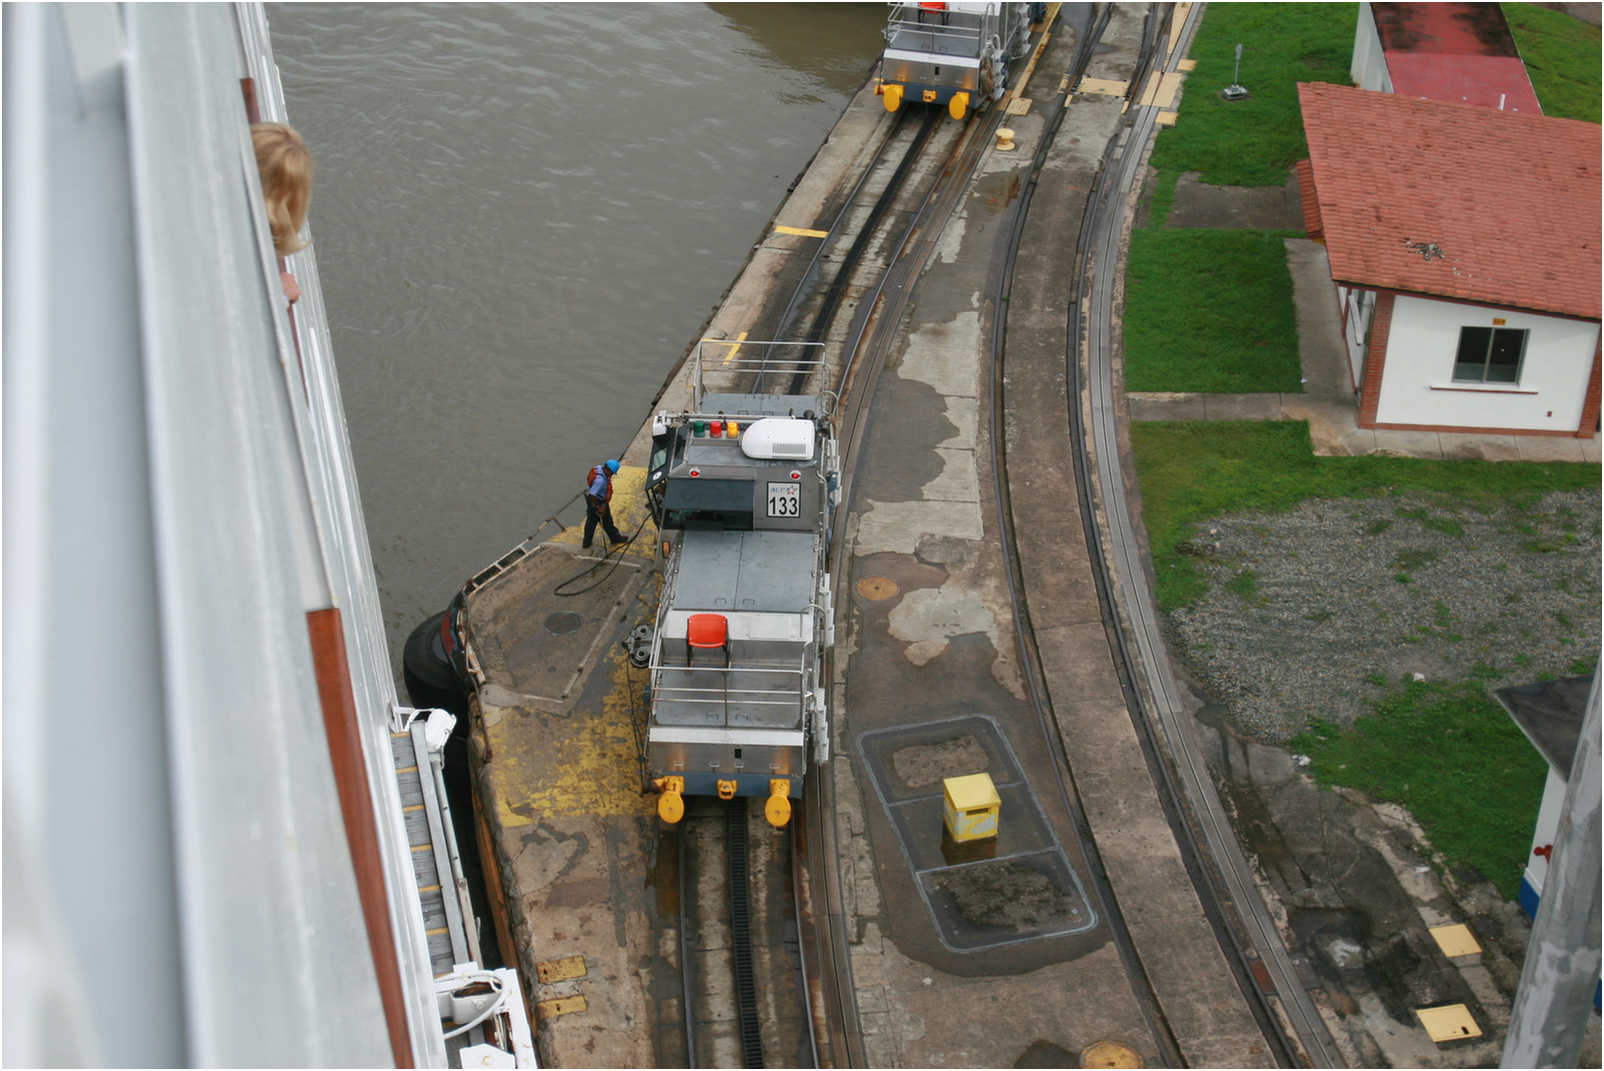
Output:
(795, 475)
(695, 473)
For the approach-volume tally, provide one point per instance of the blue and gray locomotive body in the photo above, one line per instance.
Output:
(955, 55)
(743, 487)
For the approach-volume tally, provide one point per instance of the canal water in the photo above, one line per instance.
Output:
(522, 216)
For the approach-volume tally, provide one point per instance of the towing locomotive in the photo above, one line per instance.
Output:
(742, 486)
(954, 54)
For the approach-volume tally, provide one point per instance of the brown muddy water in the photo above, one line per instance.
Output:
(522, 216)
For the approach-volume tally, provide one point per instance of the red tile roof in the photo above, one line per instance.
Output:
(1456, 201)
(1459, 52)
(1484, 80)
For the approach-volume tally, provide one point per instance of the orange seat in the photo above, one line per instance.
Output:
(707, 630)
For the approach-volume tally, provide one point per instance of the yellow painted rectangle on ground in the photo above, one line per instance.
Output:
(1167, 118)
(1187, 66)
(1161, 91)
(1455, 940)
(560, 970)
(1106, 87)
(803, 231)
(550, 1009)
(1451, 1022)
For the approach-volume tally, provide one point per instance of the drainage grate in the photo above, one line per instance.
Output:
(741, 934)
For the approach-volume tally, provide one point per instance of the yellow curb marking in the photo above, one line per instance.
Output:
(1455, 940)
(560, 970)
(1450, 1022)
(550, 1009)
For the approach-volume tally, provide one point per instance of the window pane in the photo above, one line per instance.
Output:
(1470, 362)
(1503, 364)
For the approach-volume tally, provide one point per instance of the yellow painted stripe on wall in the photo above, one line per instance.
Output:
(803, 231)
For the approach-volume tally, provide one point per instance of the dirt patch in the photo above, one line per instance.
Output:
(926, 765)
(1317, 612)
(1198, 204)
(1008, 895)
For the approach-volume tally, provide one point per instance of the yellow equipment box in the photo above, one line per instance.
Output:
(969, 807)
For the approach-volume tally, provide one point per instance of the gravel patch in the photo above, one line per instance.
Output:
(1316, 612)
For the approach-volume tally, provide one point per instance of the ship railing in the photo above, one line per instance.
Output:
(547, 530)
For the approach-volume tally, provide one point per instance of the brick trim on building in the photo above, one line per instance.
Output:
(1587, 426)
(1375, 358)
(1310, 203)
(1456, 429)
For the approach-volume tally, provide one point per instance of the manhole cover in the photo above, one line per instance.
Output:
(1109, 1054)
(876, 588)
(564, 623)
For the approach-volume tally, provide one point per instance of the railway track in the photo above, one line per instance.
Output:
(1213, 858)
(740, 954)
(797, 1006)
(790, 987)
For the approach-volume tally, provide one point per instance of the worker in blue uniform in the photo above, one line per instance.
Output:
(598, 508)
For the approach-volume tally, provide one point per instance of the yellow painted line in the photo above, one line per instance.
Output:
(1178, 23)
(437, 931)
(413, 807)
(735, 347)
(422, 848)
(429, 888)
(407, 769)
(803, 231)
(1018, 88)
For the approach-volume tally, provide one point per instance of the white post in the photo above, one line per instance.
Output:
(1561, 973)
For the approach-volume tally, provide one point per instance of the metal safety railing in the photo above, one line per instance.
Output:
(720, 693)
(958, 34)
(740, 357)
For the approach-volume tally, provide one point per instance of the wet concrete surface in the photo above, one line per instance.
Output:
(942, 650)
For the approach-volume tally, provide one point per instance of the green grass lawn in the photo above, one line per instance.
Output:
(1210, 310)
(1251, 142)
(1456, 760)
(1190, 471)
(1562, 58)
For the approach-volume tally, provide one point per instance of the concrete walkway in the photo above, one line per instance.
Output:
(1328, 402)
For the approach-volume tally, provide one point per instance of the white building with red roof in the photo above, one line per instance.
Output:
(1464, 243)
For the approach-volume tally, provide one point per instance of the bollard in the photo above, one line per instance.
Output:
(1005, 139)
